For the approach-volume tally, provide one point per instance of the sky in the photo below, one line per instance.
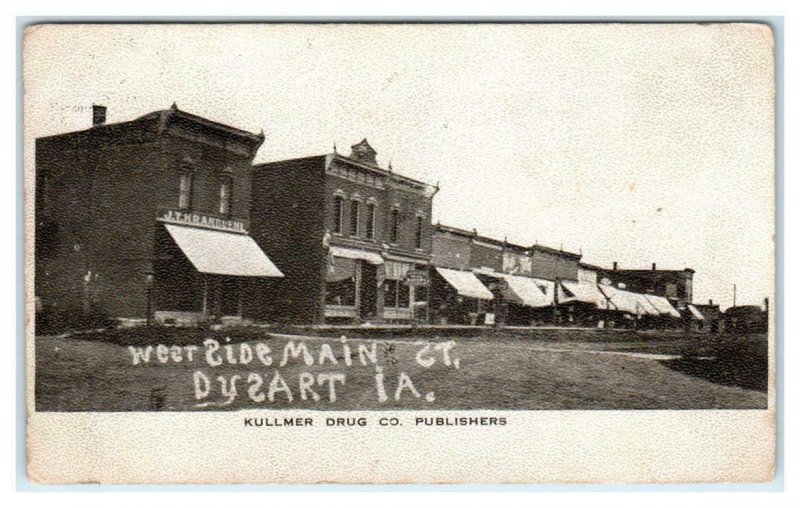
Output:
(628, 143)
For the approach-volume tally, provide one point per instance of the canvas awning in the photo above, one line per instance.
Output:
(465, 283)
(222, 253)
(526, 291)
(340, 269)
(646, 305)
(582, 291)
(372, 258)
(695, 313)
(627, 301)
(663, 306)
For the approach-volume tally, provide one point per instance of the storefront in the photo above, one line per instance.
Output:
(351, 283)
(202, 266)
(524, 301)
(405, 290)
(458, 297)
(581, 303)
(626, 308)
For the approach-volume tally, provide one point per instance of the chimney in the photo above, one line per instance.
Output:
(710, 302)
(98, 115)
(654, 267)
(615, 266)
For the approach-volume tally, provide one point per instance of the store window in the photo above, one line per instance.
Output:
(338, 214)
(355, 212)
(340, 282)
(185, 194)
(394, 226)
(397, 294)
(370, 226)
(225, 196)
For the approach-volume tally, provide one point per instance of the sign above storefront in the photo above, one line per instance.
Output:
(417, 278)
(203, 220)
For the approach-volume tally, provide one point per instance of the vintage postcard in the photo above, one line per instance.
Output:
(400, 253)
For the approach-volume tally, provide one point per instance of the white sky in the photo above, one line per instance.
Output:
(632, 143)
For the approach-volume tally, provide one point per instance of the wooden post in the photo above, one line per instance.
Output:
(555, 301)
(205, 295)
(358, 289)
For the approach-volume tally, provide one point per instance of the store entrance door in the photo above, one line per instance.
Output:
(368, 292)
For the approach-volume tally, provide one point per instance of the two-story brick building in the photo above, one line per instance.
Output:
(348, 234)
(147, 218)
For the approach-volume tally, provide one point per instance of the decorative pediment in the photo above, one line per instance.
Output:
(364, 152)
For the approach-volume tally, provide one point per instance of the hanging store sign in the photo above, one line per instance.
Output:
(417, 278)
(203, 220)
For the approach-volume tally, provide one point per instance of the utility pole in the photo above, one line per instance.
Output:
(734, 295)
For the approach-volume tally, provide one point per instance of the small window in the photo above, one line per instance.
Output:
(225, 196)
(394, 228)
(355, 211)
(338, 214)
(418, 232)
(370, 229)
(185, 195)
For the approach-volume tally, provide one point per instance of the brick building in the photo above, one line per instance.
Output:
(147, 218)
(675, 285)
(522, 280)
(346, 233)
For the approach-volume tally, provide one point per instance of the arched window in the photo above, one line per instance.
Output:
(394, 226)
(355, 216)
(225, 196)
(370, 226)
(185, 194)
(338, 214)
(418, 232)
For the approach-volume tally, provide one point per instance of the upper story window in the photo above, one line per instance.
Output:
(225, 196)
(185, 195)
(394, 225)
(370, 226)
(355, 212)
(418, 232)
(338, 213)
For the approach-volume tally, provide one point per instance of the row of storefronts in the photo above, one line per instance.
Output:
(166, 218)
(536, 286)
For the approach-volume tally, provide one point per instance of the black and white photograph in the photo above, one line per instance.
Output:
(432, 227)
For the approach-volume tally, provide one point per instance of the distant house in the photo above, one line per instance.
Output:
(705, 317)
(746, 319)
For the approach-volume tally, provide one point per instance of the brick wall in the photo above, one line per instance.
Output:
(288, 223)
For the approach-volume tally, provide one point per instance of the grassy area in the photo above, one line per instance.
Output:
(556, 369)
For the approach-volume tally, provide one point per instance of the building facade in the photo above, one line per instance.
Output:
(522, 280)
(350, 236)
(675, 285)
(147, 218)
